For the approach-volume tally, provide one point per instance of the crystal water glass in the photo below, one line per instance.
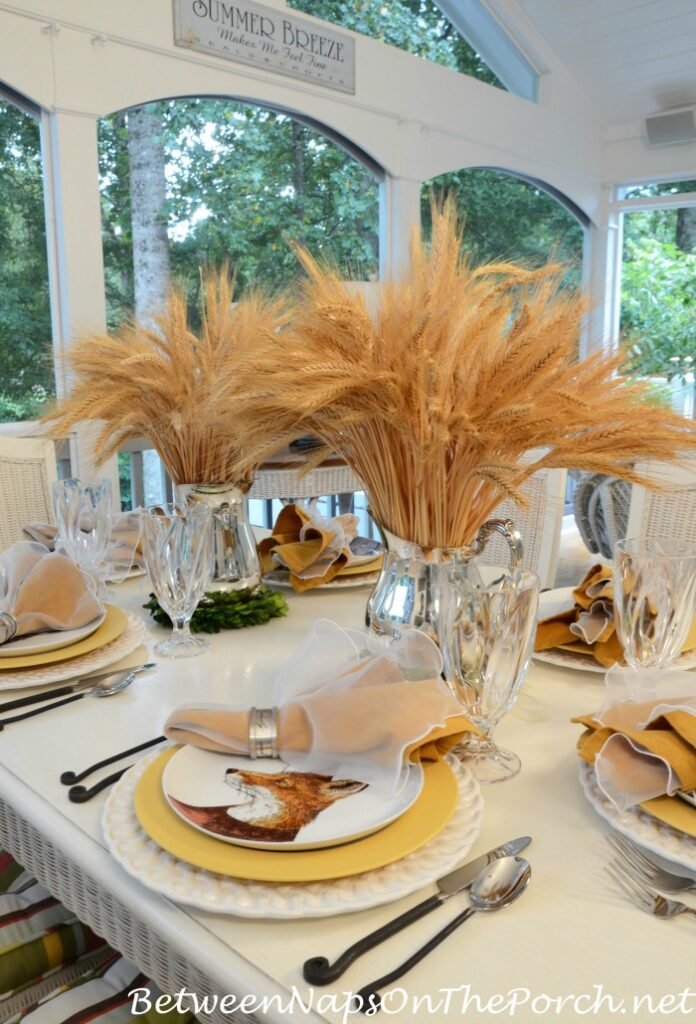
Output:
(84, 518)
(177, 545)
(486, 628)
(654, 599)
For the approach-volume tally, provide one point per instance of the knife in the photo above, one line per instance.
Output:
(318, 971)
(64, 691)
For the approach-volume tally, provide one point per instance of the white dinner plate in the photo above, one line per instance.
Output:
(559, 600)
(149, 864)
(364, 550)
(266, 805)
(640, 826)
(39, 643)
(281, 578)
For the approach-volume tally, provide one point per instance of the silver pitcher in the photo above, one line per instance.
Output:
(407, 593)
(236, 564)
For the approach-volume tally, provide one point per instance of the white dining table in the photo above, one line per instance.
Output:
(571, 948)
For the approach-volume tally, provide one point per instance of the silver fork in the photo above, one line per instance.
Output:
(647, 870)
(643, 896)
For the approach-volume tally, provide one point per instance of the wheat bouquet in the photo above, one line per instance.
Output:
(436, 400)
(165, 382)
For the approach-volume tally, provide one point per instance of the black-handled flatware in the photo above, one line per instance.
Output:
(64, 691)
(38, 698)
(496, 886)
(40, 711)
(107, 687)
(319, 971)
(80, 794)
(70, 778)
(368, 997)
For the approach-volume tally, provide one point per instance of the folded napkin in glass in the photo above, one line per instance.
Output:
(41, 591)
(588, 627)
(125, 548)
(311, 547)
(345, 707)
(642, 741)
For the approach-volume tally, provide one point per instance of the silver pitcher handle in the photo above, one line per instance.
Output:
(509, 531)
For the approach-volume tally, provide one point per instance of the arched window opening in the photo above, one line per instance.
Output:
(512, 218)
(202, 181)
(27, 379)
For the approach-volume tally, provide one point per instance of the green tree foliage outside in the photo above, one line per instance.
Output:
(510, 219)
(242, 183)
(26, 375)
(658, 294)
(417, 26)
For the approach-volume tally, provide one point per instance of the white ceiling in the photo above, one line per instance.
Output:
(630, 58)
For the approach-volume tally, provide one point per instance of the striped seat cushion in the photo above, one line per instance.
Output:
(101, 996)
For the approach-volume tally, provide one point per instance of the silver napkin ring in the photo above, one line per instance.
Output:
(263, 732)
(8, 627)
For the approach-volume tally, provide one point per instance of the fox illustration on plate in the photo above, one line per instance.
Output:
(269, 807)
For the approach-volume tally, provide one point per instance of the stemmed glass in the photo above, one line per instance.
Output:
(177, 544)
(84, 517)
(486, 631)
(654, 599)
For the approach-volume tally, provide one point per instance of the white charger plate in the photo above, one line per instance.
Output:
(199, 779)
(145, 861)
(83, 665)
(640, 826)
(559, 600)
(39, 643)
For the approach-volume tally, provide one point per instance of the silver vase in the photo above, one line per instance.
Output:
(408, 591)
(236, 564)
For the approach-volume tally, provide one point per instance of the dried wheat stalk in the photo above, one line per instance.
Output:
(435, 403)
(166, 383)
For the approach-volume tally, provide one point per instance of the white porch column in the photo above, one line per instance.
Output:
(76, 267)
(399, 214)
(602, 278)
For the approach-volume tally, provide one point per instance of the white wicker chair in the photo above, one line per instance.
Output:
(669, 512)
(290, 483)
(540, 525)
(27, 470)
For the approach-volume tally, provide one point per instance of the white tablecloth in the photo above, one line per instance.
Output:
(561, 953)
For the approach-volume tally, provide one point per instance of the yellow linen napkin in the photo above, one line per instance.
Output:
(588, 627)
(642, 749)
(307, 546)
(356, 724)
(44, 591)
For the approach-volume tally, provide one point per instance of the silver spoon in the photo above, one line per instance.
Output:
(112, 684)
(497, 886)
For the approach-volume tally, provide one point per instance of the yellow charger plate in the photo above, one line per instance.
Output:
(421, 823)
(673, 811)
(357, 570)
(113, 625)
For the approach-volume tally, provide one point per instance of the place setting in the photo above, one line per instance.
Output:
(306, 550)
(54, 624)
(294, 810)
(638, 750)
(588, 627)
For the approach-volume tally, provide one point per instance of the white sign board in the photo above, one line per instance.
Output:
(266, 37)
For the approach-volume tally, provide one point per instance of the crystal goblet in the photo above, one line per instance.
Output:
(654, 599)
(84, 518)
(486, 628)
(177, 545)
